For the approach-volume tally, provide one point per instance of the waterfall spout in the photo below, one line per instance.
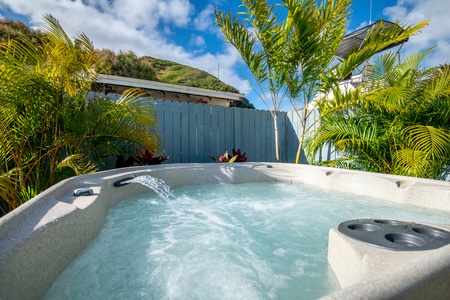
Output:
(156, 184)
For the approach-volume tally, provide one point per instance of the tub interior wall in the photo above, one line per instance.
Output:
(40, 238)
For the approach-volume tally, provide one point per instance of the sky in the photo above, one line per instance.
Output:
(184, 31)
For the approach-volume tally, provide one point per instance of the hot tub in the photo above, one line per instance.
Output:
(41, 238)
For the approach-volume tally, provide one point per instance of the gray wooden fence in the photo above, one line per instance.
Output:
(190, 133)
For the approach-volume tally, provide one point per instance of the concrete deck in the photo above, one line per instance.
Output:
(40, 238)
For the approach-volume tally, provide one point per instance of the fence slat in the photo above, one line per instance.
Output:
(159, 116)
(257, 154)
(176, 132)
(208, 132)
(282, 134)
(221, 132)
(168, 133)
(229, 130)
(184, 114)
(252, 133)
(192, 132)
(237, 128)
(200, 134)
(246, 129)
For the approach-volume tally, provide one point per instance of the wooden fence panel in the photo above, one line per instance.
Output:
(176, 132)
(252, 133)
(185, 148)
(237, 128)
(208, 129)
(159, 116)
(229, 130)
(192, 115)
(245, 131)
(221, 131)
(190, 132)
(168, 133)
(258, 152)
(200, 135)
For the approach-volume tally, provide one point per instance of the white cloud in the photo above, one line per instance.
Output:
(174, 11)
(167, 30)
(436, 33)
(363, 24)
(197, 41)
(205, 19)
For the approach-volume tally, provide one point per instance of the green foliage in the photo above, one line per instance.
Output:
(49, 129)
(10, 29)
(170, 72)
(399, 125)
(226, 158)
(125, 64)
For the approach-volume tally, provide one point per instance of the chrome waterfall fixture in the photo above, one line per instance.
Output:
(395, 235)
(123, 181)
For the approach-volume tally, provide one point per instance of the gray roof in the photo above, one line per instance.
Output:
(168, 87)
(357, 38)
(165, 91)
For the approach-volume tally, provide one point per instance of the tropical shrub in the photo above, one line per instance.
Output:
(225, 158)
(50, 128)
(399, 125)
(141, 158)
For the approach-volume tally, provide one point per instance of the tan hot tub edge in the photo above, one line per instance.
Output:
(40, 238)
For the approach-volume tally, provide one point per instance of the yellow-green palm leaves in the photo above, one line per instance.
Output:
(401, 125)
(49, 128)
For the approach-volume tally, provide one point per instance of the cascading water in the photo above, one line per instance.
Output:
(156, 184)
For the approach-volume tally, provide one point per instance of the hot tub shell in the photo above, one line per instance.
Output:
(39, 239)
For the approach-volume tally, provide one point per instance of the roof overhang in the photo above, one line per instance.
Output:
(121, 83)
(356, 39)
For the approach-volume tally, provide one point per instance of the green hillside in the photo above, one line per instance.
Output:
(127, 64)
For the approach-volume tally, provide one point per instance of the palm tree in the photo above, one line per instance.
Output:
(400, 126)
(293, 58)
(262, 49)
(50, 128)
(317, 33)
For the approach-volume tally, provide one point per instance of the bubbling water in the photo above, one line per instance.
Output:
(244, 241)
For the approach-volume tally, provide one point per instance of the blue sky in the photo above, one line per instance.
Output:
(184, 30)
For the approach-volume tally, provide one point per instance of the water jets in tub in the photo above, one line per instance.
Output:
(155, 184)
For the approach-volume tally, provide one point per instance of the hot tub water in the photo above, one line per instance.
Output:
(246, 241)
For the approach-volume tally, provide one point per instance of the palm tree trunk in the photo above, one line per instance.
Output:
(277, 144)
(303, 120)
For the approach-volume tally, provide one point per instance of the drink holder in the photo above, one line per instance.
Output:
(395, 235)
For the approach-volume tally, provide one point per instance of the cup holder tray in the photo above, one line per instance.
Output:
(395, 235)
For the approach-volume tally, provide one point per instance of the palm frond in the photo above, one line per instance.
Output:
(410, 162)
(78, 164)
(432, 142)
